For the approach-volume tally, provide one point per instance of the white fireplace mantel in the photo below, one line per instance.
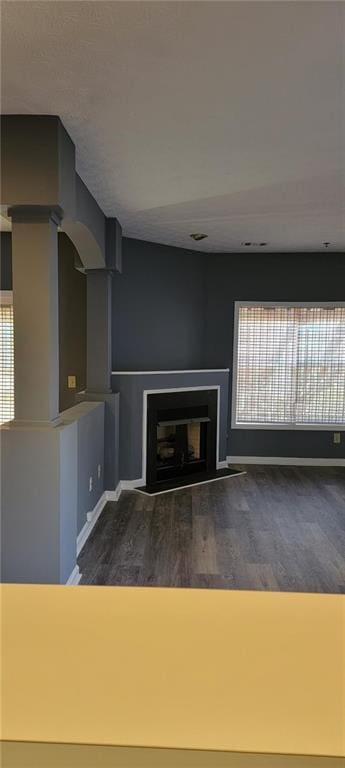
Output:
(158, 373)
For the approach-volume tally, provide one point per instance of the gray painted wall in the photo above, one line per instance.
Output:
(89, 418)
(90, 455)
(111, 434)
(174, 309)
(267, 277)
(87, 211)
(131, 390)
(72, 323)
(158, 308)
(68, 500)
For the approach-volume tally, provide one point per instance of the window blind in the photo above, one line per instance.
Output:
(290, 365)
(6, 358)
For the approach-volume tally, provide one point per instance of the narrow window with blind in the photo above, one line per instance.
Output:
(289, 366)
(6, 357)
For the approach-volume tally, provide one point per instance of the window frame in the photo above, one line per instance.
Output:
(274, 425)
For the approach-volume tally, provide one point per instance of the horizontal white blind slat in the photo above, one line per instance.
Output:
(6, 363)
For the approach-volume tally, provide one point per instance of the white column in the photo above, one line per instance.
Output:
(36, 322)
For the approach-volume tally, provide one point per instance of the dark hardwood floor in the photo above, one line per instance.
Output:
(273, 528)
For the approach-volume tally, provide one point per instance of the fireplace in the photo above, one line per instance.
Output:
(181, 438)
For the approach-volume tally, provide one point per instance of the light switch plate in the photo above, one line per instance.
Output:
(72, 382)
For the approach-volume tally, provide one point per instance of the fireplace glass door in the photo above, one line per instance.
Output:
(181, 446)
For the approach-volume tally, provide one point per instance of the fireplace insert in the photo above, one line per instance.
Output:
(181, 436)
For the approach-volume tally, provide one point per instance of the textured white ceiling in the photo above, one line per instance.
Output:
(221, 117)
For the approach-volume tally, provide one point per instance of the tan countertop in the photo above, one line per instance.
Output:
(195, 669)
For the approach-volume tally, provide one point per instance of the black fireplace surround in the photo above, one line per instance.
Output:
(181, 438)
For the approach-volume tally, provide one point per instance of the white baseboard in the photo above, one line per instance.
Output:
(91, 520)
(96, 511)
(74, 577)
(130, 485)
(114, 495)
(222, 464)
(124, 485)
(286, 460)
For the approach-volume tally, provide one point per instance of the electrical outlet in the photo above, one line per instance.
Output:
(90, 484)
(336, 438)
(71, 382)
(99, 470)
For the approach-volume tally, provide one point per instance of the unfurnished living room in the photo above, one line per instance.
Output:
(172, 376)
(173, 250)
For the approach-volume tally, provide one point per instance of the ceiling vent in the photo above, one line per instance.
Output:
(253, 245)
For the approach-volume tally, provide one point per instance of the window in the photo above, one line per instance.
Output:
(289, 366)
(6, 357)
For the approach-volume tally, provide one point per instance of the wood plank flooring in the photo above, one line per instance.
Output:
(273, 528)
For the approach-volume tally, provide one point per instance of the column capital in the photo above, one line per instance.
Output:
(35, 214)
